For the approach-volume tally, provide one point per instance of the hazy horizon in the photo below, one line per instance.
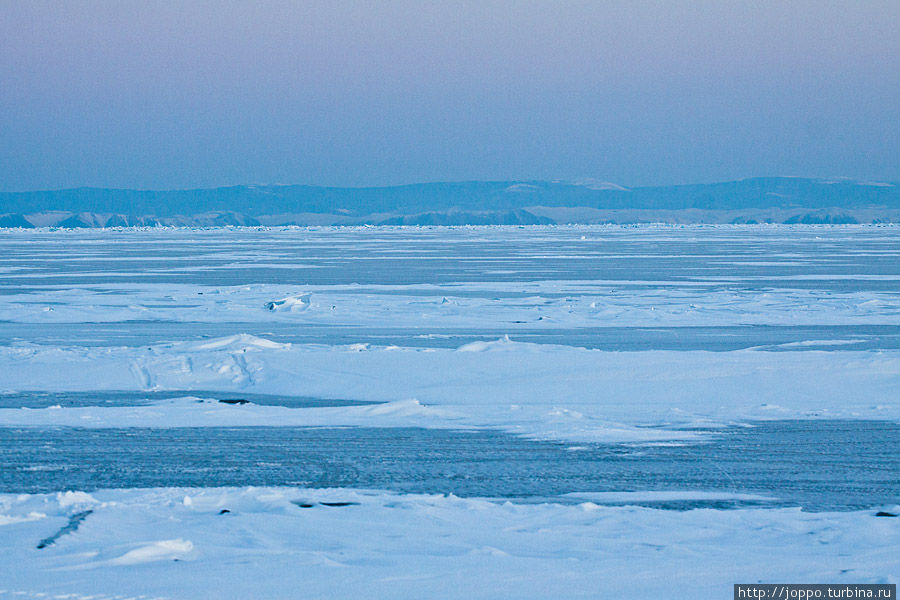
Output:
(164, 96)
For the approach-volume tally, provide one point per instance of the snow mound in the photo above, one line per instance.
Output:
(162, 550)
(238, 343)
(518, 188)
(66, 499)
(13, 519)
(599, 185)
(290, 304)
(401, 408)
(503, 343)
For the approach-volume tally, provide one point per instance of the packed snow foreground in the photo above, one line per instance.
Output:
(285, 542)
(291, 543)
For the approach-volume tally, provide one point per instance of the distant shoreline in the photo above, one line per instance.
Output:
(773, 200)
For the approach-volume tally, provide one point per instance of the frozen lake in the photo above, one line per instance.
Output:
(846, 258)
(127, 296)
(518, 411)
(595, 287)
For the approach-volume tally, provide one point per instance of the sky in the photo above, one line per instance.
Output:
(165, 95)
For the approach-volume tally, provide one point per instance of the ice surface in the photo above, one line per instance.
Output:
(262, 543)
(536, 390)
(579, 335)
(521, 306)
(664, 496)
(819, 466)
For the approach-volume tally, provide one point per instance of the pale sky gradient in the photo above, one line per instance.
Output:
(197, 94)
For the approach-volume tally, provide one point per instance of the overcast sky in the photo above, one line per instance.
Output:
(197, 94)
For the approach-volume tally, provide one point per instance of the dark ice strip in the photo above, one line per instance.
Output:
(818, 465)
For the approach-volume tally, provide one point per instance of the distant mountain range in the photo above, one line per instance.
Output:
(757, 200)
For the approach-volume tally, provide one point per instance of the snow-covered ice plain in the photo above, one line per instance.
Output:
(534, 412)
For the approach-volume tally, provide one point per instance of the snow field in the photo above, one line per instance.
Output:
(538, 391)
(179, 543)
